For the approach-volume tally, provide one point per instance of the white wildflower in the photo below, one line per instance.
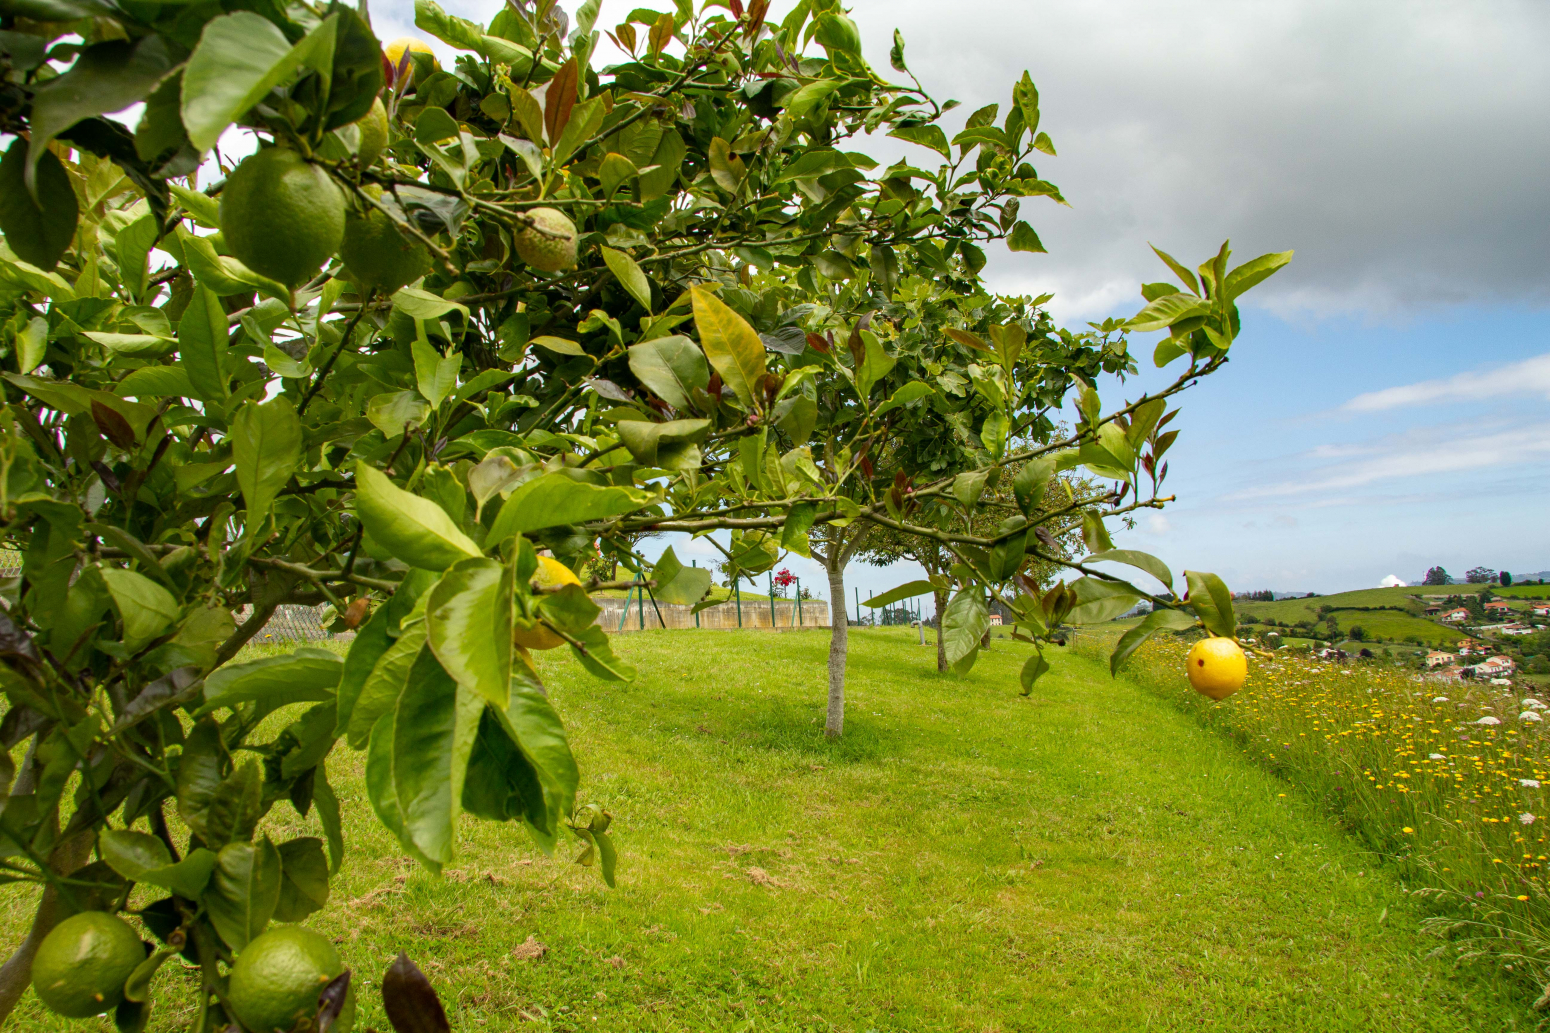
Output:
(1527, 819)
(1439, 699)
(1489, 720)
(1530, 716)
(1529, 783)
(1437, 756)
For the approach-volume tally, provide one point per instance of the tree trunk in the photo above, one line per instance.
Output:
(839, 639)
(940, 598)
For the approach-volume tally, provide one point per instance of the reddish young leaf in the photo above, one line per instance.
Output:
(411, 1004)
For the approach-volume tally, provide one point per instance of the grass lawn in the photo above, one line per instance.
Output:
(1087, 859)
(1409, 598)
(1397, 627)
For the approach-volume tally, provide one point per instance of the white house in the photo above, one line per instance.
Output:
(1495, 667)
(1458, 616)
(1542, 609)
(1517, 629)
(1436, 659)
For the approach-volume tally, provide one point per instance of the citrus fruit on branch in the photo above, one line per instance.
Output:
(376, 253)
(277, 978)
(551, 573)
(281, 215)
(549, 244)
(1217, 667)
(81, 965)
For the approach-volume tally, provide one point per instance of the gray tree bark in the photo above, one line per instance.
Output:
(839, 642)
(940, 599)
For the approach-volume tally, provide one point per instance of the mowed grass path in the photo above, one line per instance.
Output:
(963, 859)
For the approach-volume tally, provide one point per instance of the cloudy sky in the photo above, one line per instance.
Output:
(1385, 409)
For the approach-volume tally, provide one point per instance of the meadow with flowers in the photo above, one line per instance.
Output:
(1447, 779)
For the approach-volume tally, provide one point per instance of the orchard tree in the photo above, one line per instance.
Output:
(447, 335)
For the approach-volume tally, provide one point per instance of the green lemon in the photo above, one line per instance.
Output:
(277, 979)
(550, 245)
(282, 216)
(376, 254)
(80, 967)
(374, 133)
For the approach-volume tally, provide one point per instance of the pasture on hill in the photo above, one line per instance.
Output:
(1088, 859)
(1409, 599)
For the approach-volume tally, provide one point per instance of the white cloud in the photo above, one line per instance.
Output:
(1392, 581)
(1422, 452)
(1157, 524)
(1529, 377)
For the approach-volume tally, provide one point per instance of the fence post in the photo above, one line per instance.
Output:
(920, 624)
(737, 592)
(640, 603)
(696, 563)
(772, 602)
(629, 593)
(858, 604)
(799, 602)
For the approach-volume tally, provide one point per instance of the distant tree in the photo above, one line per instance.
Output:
(1506, 579)
(1311, 595)
(1436, 576)
(1480, 576)
(1358, 633)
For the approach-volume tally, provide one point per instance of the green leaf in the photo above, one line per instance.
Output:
(1140, 560)
(1255, 271)
(393, 672)
(1029, 485)
(1042, 142)
(205, 210)
(468, 622)
(833, 31)
(371, 641)
(596, 655)
(106, 77)
(225, 275)
(964, 623)
(202, 344)
(913, 391)
(677, 583)
(326, 804)
(1094, 535)
(1157, 620)
(1185, 276)
(1098, 600)
(235, 807)
(239, 59)
(876, 364)
(420, 304)
(908, 590)
(133, 346)
(1167, 310)
(1023, 238)
(132, 853)
(969, 486)
(433, 731)
(157, 382)
(799, 102)
(40, 231)
(415, 530)
(794, 532)
(673, 445)
(146, 608)
(927, 136)
(1211, 600)
(1167, 350)
(993, 434)
(532, 723)
(555, 499)
(672, 367)
(1033, 668)
(393, 411)
(303, 879)
(586, 119)
(199, 773)
(244, 891)
(629, 275)
(435, 374)
(730, 344)
(266, 446)
(312, 676)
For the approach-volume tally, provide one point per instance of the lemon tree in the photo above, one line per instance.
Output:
(455, 327)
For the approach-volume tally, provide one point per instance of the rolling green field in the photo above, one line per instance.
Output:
(1522, 591)
(1397, 626)
(1408, 598)
(1087, 859)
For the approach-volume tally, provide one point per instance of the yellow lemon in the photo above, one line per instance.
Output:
(551, 573)
(550, 243)
(1217, 667)
(277, 978)
(81, 965)
(395, 50)
(281, 215)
